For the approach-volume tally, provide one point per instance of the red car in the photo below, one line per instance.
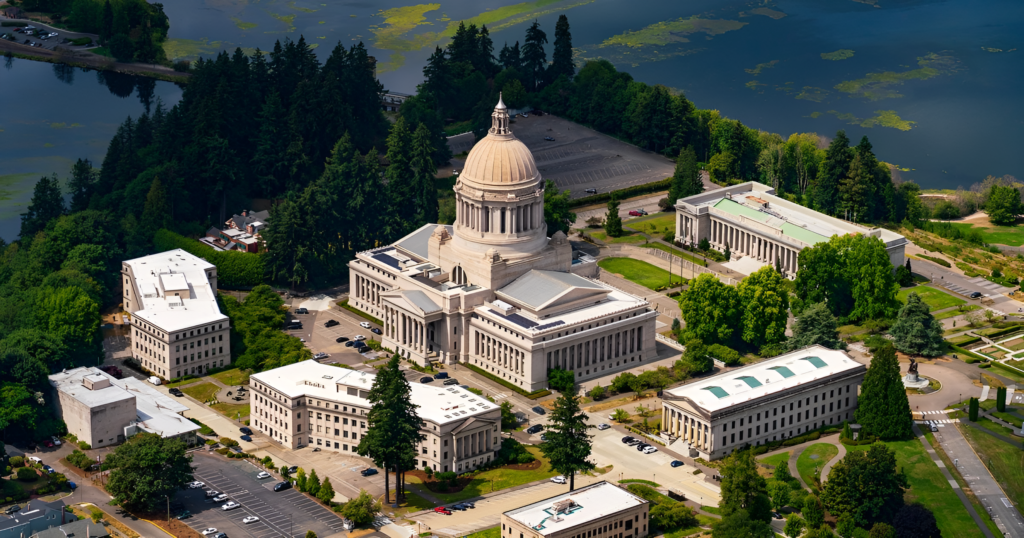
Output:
(443, 510)
(637, 213)
(48, 444)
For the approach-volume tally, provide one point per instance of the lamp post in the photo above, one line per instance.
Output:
(168, 508)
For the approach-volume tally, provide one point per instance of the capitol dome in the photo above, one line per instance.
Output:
(500, 158)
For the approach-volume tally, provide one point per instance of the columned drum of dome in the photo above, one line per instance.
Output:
(500, 196)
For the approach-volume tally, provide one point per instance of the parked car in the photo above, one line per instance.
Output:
(543, 437)
(293, 469)
(154, 380)
(349, 343)
(220, 535)
(591, 191)
(245, 430)
(332, 323)
(236, 449)
(633, 442)
(13, 509)
(441, 375)
(48, 443)
(245, 438)
(262, 474)
(470, 504)
(368, 472)
(640, 446)
(359, 338)
(539, 410)
(976, 295)
(55, 440)
(603, 426)
(376, 331)
(250, 519)
(637, 212)
(549, 139)
(281, 486)
(426, 379)
(649, 450)
(185, 514)
(320, 355)
(209, 531)
(176, 392)
(301, 310)
(627, 438)
(34, 459)
(220, 498)
(442, 510)
(195, 485)
(451, 381)
(558, 479)
(230, 505)
(364, 324)
(212, 493)
(534, 429)
(341, 339)
(676, 463)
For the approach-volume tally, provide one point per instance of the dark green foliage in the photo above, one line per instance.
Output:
(882, 530)
(710, 309)
(1003, 205)
(513, 452)
(234, 269)
(903, 276)
(561, 58)
(867, 486)
(972, 410)
(47, 203)
(696, 357)
(1001, 399)
(686, 178)
(79, 459)
(726, 354)
(561, 380)
(915, 521)
(916, 332)
(847, 433)
(27, 474)
(882, 407)
(794, 526)
(852, 275)
(508, 416)
(556, 209)
(568, 444)
(122, 48)
(833, 169)
(813, 511)
(257, 342)
(313, 483)
(743, 489)
(764, 301)
(612, 221)
(362, 509)
(145, 469)
(534, 57)
(816, 326)
(740, 524)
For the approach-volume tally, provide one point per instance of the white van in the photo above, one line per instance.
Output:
(154, 380)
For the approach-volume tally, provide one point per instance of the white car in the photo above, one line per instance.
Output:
(558, 479)
(603, 426)
(230, 505)
(55, 440)
(208, 532)
(221, 497)
(212, 493)
(364, 325)
(154, 380)
(250, 519)
(649, 450)
(359, 338)
(262, 475)
(195, 485)
(34, 459)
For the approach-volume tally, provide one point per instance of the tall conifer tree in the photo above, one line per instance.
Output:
(401, 193)
(423, 164)
(882, 407)
(832, 170)
(568, 445)
(686, 179)
(561, 58)
(534, 57)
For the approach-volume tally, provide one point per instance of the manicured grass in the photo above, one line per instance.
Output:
(684, 255)
(232, 377)
(638, 271)
(231, 410)
(1003, 235)
(502, 479)
(935, 299)
(1003, 460)
(493, 532)
(1010, 373)
(640, 481)
(776, 460)
(984, 422)
(956, 312)
(653, 224)
(202, 391)
(805, 464)
(626, 237)
(847, 330)
(704, 521)
(185, 381)
(1008, 417)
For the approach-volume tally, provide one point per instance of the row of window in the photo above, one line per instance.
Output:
(205, 342)
(204, 354)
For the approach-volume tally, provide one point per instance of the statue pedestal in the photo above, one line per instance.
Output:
(913, 381)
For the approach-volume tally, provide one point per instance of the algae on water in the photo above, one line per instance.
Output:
(242, 25)
(840, 54)
(666, 32)
(884, 118)
(760, 67)
(876, 86)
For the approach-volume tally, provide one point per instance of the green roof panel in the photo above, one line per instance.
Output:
(734, 208)
(802, 234)
(782, 370)
(816, 361)
(719, 392)
(750, 381)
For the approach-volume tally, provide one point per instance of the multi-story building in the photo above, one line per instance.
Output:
(313, 404)
(601, 510)
(755, 223)
(103, 411)
(494, 290)
(768, 401)
(176, 326)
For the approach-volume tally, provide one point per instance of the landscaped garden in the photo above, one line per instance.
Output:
(476, 484)
(814, 457)
(639, 272)
(626, 237)
(232, 377)
(934, 298)
(775, 460)
(231, 410)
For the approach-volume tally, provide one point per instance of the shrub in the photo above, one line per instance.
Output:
(511, 452)
(81, 41)
(27, 474)
(227, 441)
(939, 261)
(79, 459)
(234, 269)
(448, 478)
(561, 380)
(729, 356)
(84, 446)
(17, 461)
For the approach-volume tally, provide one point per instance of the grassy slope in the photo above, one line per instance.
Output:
(1003, 235)
(935, 299)
(637, 271)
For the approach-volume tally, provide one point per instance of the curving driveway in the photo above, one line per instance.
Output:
(956, 387)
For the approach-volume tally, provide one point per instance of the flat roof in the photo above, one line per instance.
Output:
(587, 504)
(437, 403)
(70, 382)
(773, 375)
(177, 269)
(416, 242)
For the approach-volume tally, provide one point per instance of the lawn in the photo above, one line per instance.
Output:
(232, 377)
(776, 459)
(1008, 417)
(805, 464)
(638, 271)
(1004, 461)
(704, 521)
(202, 392)
(493, 532)
(626, 237)
(185, 380)
(499, 479)
(655, 224)
(684, 255)
(231, 410)
(956, 312)
(935, 299)
(1010, 373)
(984, 422)
(1003, 235)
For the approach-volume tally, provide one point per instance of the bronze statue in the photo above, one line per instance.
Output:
(913, 367)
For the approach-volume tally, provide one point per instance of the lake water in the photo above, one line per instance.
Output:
(935, 84)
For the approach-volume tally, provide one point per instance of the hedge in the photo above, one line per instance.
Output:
(939, 261)
(974, 357)
(344, 304)
(1001, 332)
(1008, 369)
(965, 340)
(234, 269)
(635, 190)
(531, 395)
(726, 354)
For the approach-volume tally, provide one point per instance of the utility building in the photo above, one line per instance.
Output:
(601, 510)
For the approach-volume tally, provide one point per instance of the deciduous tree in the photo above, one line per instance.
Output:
(362, 509)
(794, 526)
(764, 301)
(743, 489)
(1003, 205)
(915, 521)
(557, 213)
(710, 309)
(814, 512)
(867, 486)
(882, 407)
(146, 468)
(779, 494)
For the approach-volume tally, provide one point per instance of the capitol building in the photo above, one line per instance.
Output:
(494, 290)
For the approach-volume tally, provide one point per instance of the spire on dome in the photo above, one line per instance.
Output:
(499, 119)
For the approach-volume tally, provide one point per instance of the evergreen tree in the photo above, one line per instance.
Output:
(1001, 399)
(743, 488)
(916, 332)
(313, 484)
(612, 221)
(47, 203)
(794, 526)
(107, 28)
(534, 59)
(855, 191)
(832, 170)
(423, 165)
(847, 432)
(727, 253)
(156, 214)
(271, 145)
(561, 58)
(80, 186)
(915, 521)
(781, 472)
(484, 58)
(510, 57)
(401, 193)
(882, 407)
(972, 410)
(568, 445)
(326, 492)
(300, 480)
(686, 178)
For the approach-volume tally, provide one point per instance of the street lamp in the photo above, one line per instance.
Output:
(168, 508)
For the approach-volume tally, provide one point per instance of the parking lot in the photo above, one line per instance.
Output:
(38, 32)
(320, 338)
(283, 513)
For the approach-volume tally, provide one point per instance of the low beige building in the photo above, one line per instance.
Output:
(103, 411)
(494, 290)
(177, 327)
(769, 401)
(601, 510)
(318, 405)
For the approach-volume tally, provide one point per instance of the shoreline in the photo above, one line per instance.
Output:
(92, 61)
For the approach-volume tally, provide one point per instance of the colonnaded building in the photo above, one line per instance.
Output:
(313, 404)
(493, 289)
(769, 401)
(764, 228)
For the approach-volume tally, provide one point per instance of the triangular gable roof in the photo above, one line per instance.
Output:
(540, 289)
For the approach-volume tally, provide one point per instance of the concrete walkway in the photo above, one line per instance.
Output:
(796, 450)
